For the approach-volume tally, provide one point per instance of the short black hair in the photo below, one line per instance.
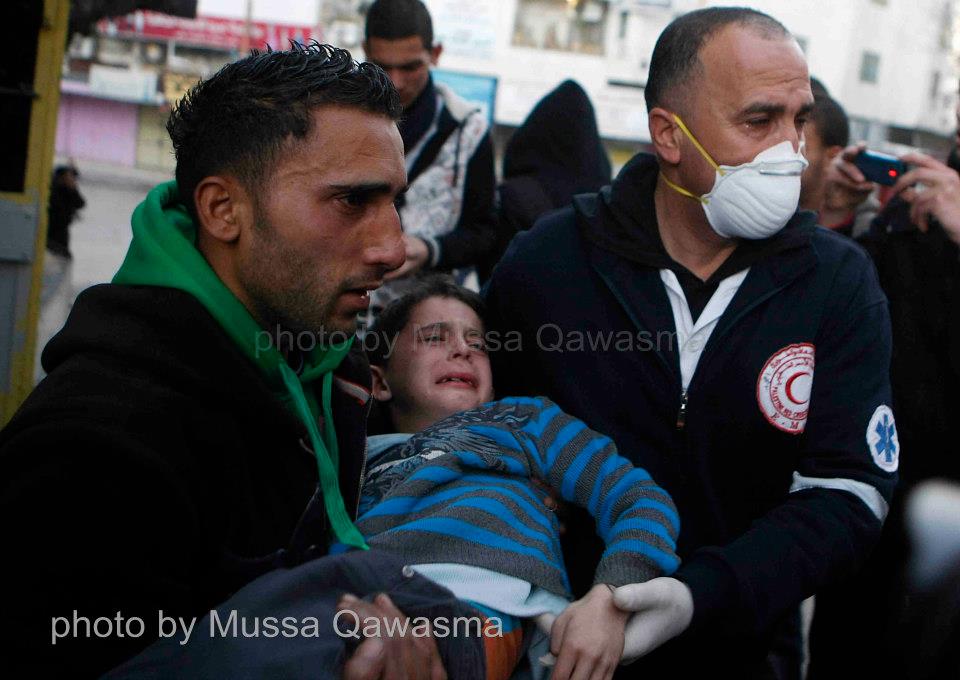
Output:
(397, 19)
(831, 120)
(240, 119)
(396, 315)
(676, 56)
(818, 88)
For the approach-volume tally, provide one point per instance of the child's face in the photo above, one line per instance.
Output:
(439, 365)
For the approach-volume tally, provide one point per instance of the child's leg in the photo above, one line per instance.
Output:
(502, 642)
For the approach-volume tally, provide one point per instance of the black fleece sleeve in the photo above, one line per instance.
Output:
(476, 232)
(94, 528)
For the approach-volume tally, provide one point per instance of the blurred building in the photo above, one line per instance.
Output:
(889, 62)
(119, 83)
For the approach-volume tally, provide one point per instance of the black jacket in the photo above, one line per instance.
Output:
(554, 155)
(152, 470)
(755, 538)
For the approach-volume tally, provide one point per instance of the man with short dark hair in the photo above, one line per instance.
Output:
(447, 212)
(827, 132)
(203, 420)
(726, 344)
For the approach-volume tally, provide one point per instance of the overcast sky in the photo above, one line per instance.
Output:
(299, 12)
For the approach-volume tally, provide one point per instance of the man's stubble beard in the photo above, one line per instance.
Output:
(286, 289)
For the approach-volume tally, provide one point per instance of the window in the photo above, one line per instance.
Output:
(869, 67)
(564, 25)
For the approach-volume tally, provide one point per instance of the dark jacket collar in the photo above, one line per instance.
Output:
(418, 117)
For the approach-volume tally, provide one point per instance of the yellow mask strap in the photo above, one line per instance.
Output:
(698, 145)
(680, 190)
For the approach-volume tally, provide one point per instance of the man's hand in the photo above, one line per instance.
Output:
(587, 638)
(663, 608)
(417, 254)
(940, 196)
(390, 658)
(846, 187)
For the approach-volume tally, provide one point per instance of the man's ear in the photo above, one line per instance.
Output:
(221, 205)
(381, 390)
(832, 152)
(435, 53)
(665, 135)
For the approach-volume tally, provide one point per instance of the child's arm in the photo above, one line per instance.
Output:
(636, 519)
(587, 638)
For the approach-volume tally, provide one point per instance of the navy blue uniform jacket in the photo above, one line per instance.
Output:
(774, 502)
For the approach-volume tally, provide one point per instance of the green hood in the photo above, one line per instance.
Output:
(164, 253)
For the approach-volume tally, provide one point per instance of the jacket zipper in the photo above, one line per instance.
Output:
(682, 413)
(363, 463)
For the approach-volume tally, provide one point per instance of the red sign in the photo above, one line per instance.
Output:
(203, 31)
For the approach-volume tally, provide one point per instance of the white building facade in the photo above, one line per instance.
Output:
(890, 63)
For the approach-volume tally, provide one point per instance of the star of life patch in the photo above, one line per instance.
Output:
(882, 439)
(784, 387)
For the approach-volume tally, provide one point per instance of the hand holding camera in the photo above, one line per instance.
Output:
(933, 189)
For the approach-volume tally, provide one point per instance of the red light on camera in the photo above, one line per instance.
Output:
(892, 173)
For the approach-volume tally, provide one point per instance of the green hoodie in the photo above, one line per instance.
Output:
(164, 253)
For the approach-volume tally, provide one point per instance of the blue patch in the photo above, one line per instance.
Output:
(882, 439)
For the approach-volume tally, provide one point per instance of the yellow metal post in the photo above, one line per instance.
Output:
(42, 135)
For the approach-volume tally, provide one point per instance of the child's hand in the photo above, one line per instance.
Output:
(587, 638)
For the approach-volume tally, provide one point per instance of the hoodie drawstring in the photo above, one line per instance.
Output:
(326, 451)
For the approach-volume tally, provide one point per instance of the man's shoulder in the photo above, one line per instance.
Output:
(843, 259)
(461, 109)
(134, 361)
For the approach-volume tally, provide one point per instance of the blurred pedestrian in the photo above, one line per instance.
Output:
(554, 155)
(57, 291)
(65, 201)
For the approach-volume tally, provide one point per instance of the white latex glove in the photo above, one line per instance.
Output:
(663, 608)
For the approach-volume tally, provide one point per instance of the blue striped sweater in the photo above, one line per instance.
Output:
(462, 491)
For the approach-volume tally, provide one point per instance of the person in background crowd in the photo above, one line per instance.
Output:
(447, 212)
(846, 209)
(57, 293)
(733, 349)
(554, 155)
(183, 444)
(65, 201)
(827, 133)
(858, 626)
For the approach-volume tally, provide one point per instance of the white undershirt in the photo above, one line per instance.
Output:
(692, 337)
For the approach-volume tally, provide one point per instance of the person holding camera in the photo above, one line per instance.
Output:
(913, 242)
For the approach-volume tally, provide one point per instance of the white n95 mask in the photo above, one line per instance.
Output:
(754, 200)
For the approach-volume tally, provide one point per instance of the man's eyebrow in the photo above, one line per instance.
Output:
(366, 188)
(769, 109)
(759, 108)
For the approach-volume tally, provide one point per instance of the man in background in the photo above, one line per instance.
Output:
(447, 213)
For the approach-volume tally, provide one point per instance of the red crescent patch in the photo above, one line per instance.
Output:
(784, 386)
